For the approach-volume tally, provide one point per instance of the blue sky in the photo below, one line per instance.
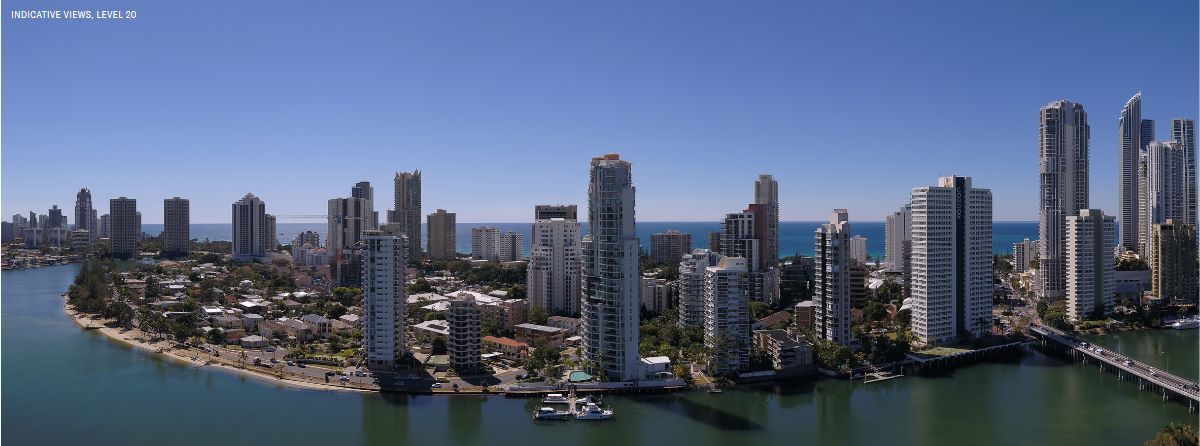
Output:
(502, 104)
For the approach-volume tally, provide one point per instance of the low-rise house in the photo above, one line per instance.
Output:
(786, 353)
(254, 341)
(352, 319)
(320, 324)
(298, 329)
(233, 334)
(210, 311)
(250, 321)
(534, 334)
(656, 367)
(508, 347)
(570, 324)
(291, 304)
(429, 330)
(225, 321)
(340, 327)
(424, 297)
(779, 317)
(272, 329)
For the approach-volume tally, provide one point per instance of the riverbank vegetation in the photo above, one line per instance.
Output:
(1175, 434)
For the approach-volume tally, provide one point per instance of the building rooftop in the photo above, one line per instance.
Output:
(537, 327)
(504, 341)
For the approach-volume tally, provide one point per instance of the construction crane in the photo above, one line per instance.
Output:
(322, 217)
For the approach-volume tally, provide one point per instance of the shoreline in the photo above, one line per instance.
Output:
(134, 338)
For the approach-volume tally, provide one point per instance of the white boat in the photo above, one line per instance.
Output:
(591, 411)
(555, 398)
(550, 413)
(1186, 324)
(590, 400)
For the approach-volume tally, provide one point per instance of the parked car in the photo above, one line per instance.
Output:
(344, 378)
(435, 386)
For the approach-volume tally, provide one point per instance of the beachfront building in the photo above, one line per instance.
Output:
(484, 243)
(610, 272)
(443, 236)
(488, 243)
(347, 219)
(552, 275)
(272, 241)
(249, 229)
(858, 249)
(85, 214)
(1063, 166)
(1090, 287)
(743, 234)
(896, 232)
(1131, 143)
(1024, 252)
(406, 211)
(831, 284)
(510, 246)
(177, 239)
(1163, 189)
(691, 286)
(363, 190)
(670, 246)
(727, 315)
(766, 193)
(952, 261)
(383, 299)
(124, 237)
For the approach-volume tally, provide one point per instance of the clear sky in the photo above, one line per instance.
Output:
(502, 103)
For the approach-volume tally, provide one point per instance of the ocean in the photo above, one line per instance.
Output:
(795, 237)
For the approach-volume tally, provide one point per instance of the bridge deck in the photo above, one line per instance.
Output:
(1161, 378)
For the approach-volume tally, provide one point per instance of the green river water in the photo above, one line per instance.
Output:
(64, 386)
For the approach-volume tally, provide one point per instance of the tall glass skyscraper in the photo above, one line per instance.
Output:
(1063, 166)
(610, 272)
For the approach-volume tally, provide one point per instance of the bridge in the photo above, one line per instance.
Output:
(1149, 378)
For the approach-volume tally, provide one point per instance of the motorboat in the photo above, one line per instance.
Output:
(590, 400)
(550, 413)
(591, 411)
(1186, 324)
(714, 390)
(555, 398)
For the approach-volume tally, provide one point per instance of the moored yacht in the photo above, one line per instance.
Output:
(555, 398)
(591, 411)
(1186, 324)
(550, 413)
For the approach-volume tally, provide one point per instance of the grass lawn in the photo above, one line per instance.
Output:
(940, 351)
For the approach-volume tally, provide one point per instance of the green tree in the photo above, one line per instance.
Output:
(1175, 434)
(537, 315)
(438, 346)
(216, 336)
(759, 310)
(420, 286)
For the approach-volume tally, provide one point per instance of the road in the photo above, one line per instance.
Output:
(1160, 378)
